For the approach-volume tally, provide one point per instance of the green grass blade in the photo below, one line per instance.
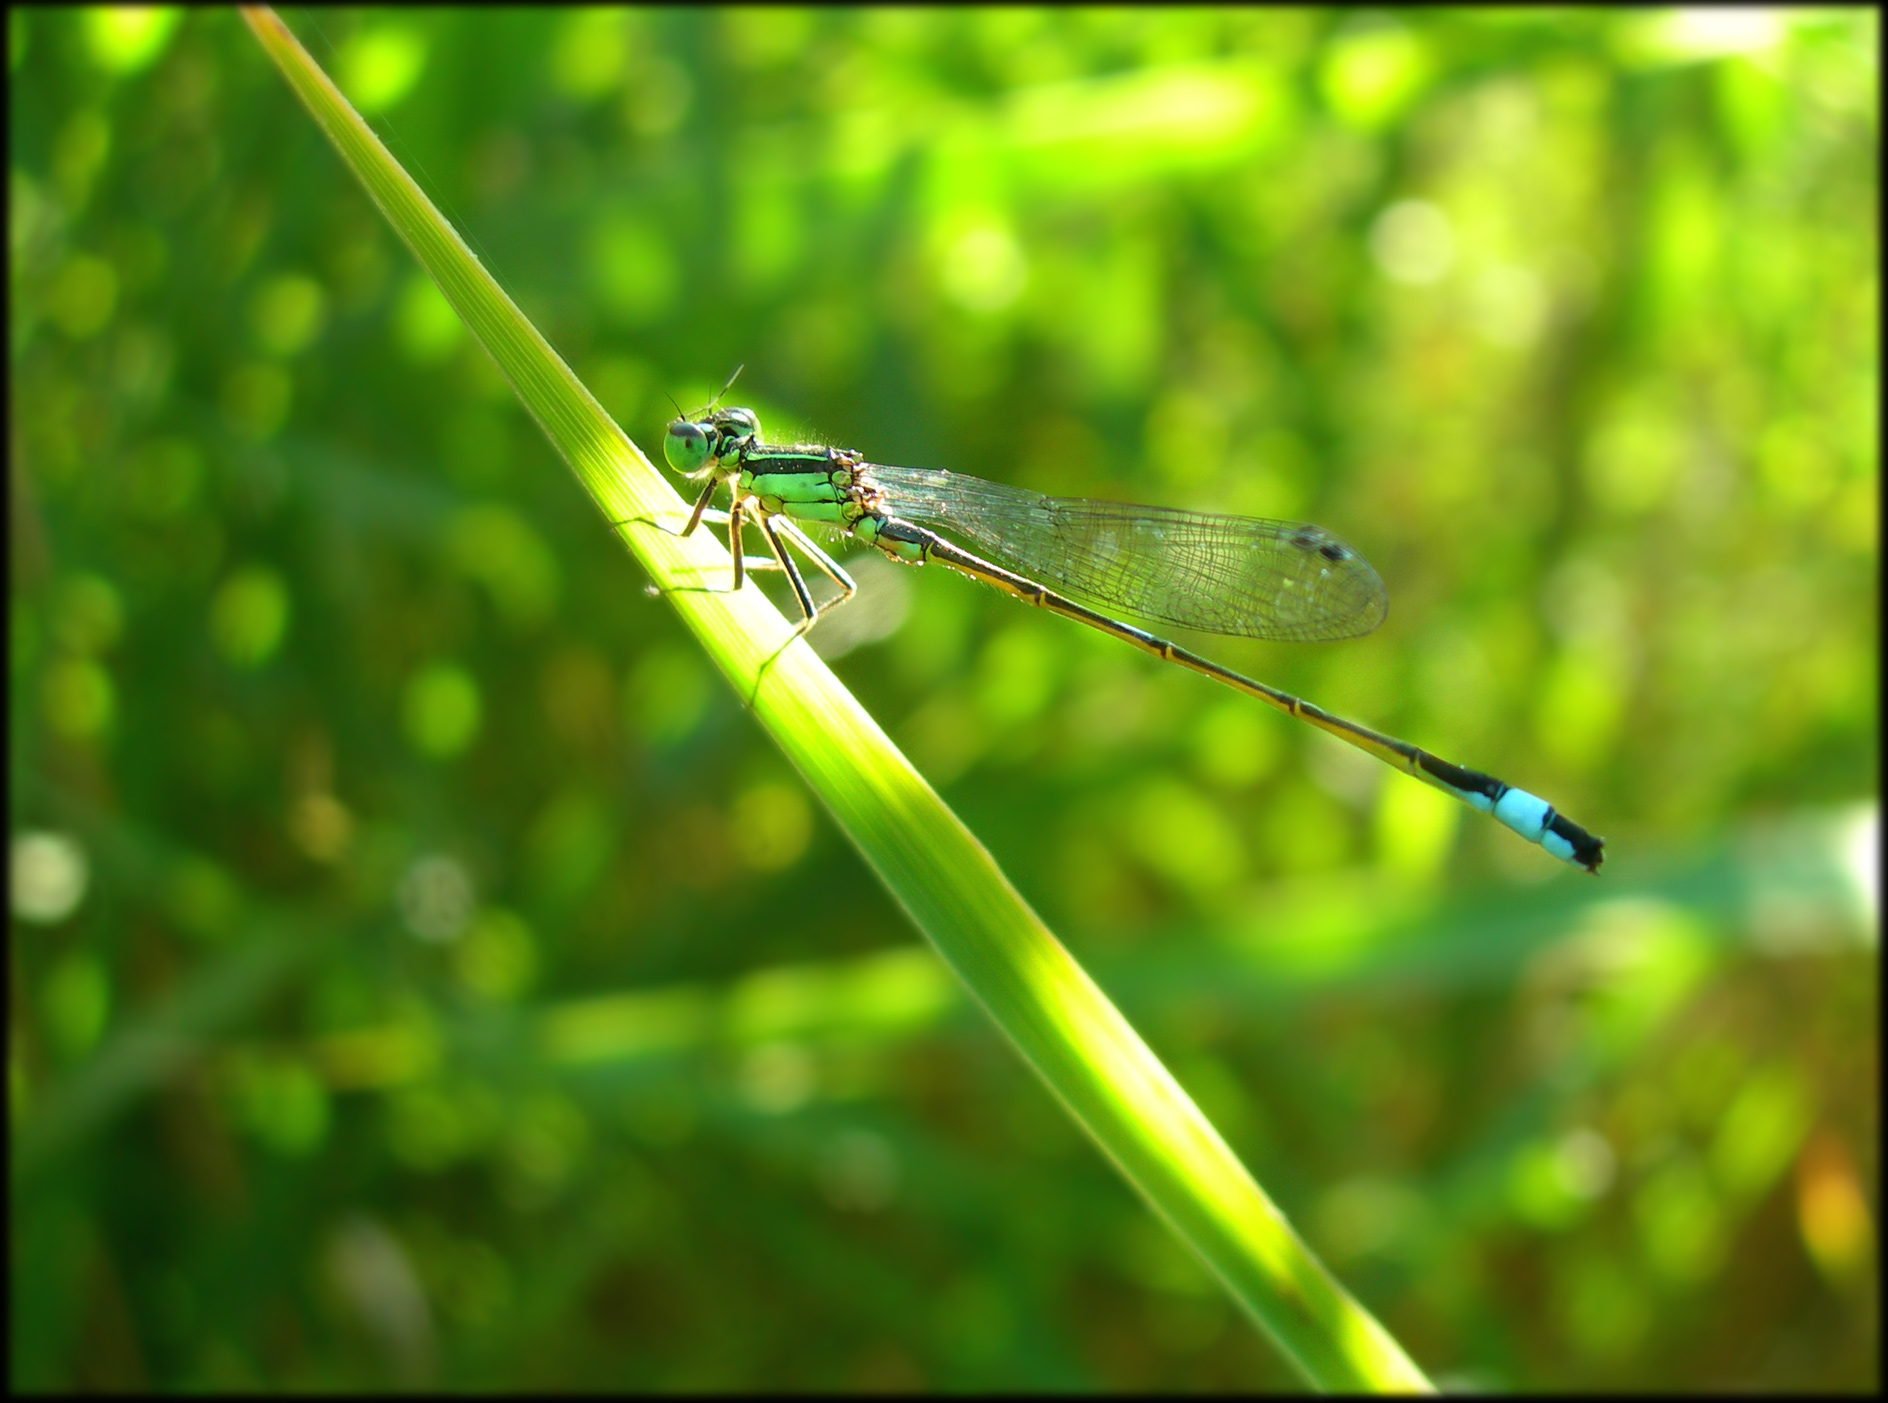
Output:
(932, 864)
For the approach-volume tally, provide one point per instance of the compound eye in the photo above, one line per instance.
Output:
(738, 423)
(686, 446)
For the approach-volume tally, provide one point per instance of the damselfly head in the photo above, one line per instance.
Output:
(696, 441)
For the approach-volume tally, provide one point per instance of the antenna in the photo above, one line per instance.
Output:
(730, 385)
(680, 413)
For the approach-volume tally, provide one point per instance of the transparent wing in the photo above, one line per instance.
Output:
(1237, 575)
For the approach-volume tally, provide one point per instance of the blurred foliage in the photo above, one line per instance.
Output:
(423, 974)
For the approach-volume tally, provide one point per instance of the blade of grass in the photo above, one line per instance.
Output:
(937, 870)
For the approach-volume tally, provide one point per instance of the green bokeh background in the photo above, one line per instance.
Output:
(424, 973)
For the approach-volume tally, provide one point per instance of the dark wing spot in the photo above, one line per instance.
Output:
(1310, 538)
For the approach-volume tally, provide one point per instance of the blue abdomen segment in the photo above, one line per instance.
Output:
(1527, 814)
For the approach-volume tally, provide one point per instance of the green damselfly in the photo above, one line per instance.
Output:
(1085, 560)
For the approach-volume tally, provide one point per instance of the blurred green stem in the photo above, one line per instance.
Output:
(1036, 993)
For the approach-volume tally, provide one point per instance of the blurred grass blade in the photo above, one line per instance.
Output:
(931, 863)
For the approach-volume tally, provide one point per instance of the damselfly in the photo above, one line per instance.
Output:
(1085, 560)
